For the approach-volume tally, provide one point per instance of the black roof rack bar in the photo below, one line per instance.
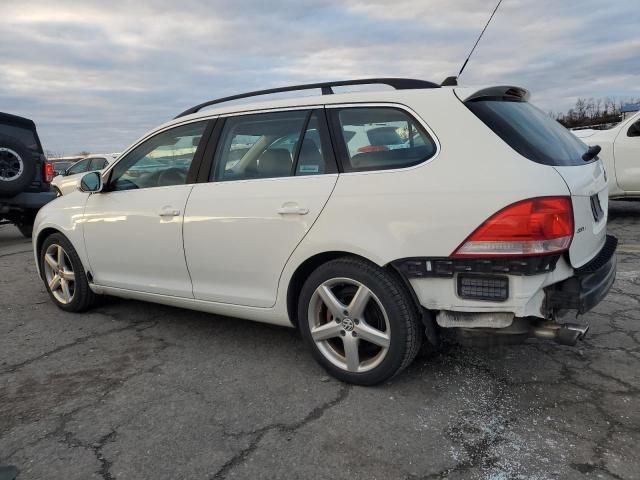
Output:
(397, 83)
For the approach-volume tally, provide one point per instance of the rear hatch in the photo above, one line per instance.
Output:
(536, 136)
(22, 131)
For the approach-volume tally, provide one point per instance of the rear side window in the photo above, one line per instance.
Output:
(379, 138)
(270, 145)
(530, 132)
(24, 135)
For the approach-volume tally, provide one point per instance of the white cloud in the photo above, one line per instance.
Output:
(96, 74)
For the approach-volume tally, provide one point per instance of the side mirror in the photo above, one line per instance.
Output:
(91, 183)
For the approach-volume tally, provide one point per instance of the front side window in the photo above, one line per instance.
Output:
(634, 130)
(378, 138)
(161, 161)
(79, 167)
(268, 145)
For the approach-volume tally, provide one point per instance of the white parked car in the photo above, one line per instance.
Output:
(620, 154)
(70, 180)
(490, 222)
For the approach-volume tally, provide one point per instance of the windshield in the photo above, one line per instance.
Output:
(530, 131)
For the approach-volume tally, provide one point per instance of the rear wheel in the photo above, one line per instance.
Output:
(359, 321)
(63, 274)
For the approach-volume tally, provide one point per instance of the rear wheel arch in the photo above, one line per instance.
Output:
(303, 271)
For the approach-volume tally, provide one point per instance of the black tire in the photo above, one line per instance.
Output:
(83, 297)
(405, 332)
(26, 229)
(15, 154)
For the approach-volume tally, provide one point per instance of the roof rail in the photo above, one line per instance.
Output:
(325, 87)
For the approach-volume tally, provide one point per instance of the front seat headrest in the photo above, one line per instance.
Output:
(310, 160)
(275, 162)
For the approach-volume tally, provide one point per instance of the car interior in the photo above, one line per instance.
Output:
(268, 149)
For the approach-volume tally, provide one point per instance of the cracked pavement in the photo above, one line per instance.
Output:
(140, 391)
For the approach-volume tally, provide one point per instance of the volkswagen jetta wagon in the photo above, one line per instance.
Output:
(371, 221)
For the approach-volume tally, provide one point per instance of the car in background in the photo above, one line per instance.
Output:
(61, 166)
(25, 173)
(620, 154)
(68, 181)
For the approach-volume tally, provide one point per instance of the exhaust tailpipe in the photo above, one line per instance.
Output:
(565, 334)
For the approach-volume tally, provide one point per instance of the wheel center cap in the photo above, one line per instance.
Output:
(347, 324)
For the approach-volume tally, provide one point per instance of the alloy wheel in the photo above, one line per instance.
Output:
(59, 274)
(349, 325)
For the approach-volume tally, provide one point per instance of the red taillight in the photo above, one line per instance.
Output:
(537, 226)
(48, 173)
(373, 148)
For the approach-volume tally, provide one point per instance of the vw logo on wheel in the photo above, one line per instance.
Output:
(347, 324)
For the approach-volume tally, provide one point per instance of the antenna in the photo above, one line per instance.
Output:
(452, 81)
(479, 37)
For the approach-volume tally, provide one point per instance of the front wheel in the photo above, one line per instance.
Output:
(63, 274)
(359, 321)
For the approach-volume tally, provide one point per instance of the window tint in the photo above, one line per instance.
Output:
(634, 130)
(97, 163)
(261, 145)
(530, 131)
(378, 138)
(24, 135)
(79, 167)
(161, 161)
(312, 159)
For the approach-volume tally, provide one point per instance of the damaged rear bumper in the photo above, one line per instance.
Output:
(589, 284)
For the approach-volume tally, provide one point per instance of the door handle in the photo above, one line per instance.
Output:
(169, 212)
(292, 209)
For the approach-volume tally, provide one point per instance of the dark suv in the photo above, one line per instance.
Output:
(25, 173)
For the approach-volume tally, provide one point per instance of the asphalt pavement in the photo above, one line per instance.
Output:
(132, 390)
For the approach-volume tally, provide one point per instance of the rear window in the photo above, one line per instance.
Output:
(530, 131)
(379, 138)
(24, 135)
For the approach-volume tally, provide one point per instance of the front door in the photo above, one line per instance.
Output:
(273, 173)
(626, 151)
(133, 229)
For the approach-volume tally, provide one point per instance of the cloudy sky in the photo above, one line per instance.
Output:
(95, 75)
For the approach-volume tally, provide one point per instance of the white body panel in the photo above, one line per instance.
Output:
(134, 241)
(589, 236)
(237, 242)
(242, 254)
(67, 184)
(620, 155)
(626, 152)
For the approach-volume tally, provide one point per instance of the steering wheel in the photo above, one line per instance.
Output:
(172, 176)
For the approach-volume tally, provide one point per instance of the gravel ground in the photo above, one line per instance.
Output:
(140, 391)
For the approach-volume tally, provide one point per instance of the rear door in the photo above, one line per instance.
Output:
(626, 151)
(272, 175)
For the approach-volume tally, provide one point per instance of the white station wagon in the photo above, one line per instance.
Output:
(374, 221)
